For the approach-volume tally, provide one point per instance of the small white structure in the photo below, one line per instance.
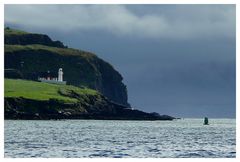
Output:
(53, 80)
(60, 75)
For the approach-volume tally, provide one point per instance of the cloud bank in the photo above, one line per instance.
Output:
(175, 22)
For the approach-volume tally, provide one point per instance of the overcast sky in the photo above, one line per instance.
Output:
(175, 59)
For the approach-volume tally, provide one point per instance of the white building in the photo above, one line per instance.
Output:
(53, 80)
(60, 75)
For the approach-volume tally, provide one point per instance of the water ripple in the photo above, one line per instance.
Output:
(120, 139)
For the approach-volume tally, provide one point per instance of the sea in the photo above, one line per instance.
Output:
(182, 138)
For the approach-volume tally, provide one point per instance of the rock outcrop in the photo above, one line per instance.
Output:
(21, 108)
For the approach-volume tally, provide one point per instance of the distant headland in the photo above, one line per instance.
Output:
(34, 87)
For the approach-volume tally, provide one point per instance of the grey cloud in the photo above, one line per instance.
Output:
(175, 22)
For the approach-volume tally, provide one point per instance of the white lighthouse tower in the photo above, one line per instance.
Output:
(60, 75)
(54, 80)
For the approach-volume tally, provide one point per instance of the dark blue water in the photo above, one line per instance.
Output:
(120, 139)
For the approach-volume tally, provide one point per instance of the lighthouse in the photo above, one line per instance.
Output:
(60, 75)
(53, 79)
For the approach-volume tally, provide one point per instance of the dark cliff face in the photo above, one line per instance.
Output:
(80, 68)
(20, 108)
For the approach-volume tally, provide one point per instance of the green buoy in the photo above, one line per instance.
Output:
(205, 121)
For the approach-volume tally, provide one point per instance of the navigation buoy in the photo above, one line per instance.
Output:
(205, 121)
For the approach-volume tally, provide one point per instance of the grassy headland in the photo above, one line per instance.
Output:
(43, 91)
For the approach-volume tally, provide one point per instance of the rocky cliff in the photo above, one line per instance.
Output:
(27, 55)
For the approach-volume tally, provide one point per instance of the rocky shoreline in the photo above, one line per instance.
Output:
(27, 109)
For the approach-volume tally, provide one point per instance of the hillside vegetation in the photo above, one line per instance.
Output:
(36, 47)
(28, 55)
(8, 31)
(43, 91)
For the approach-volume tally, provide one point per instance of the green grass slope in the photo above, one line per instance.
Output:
(8, 31)
(43, 91)
(36, 47)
